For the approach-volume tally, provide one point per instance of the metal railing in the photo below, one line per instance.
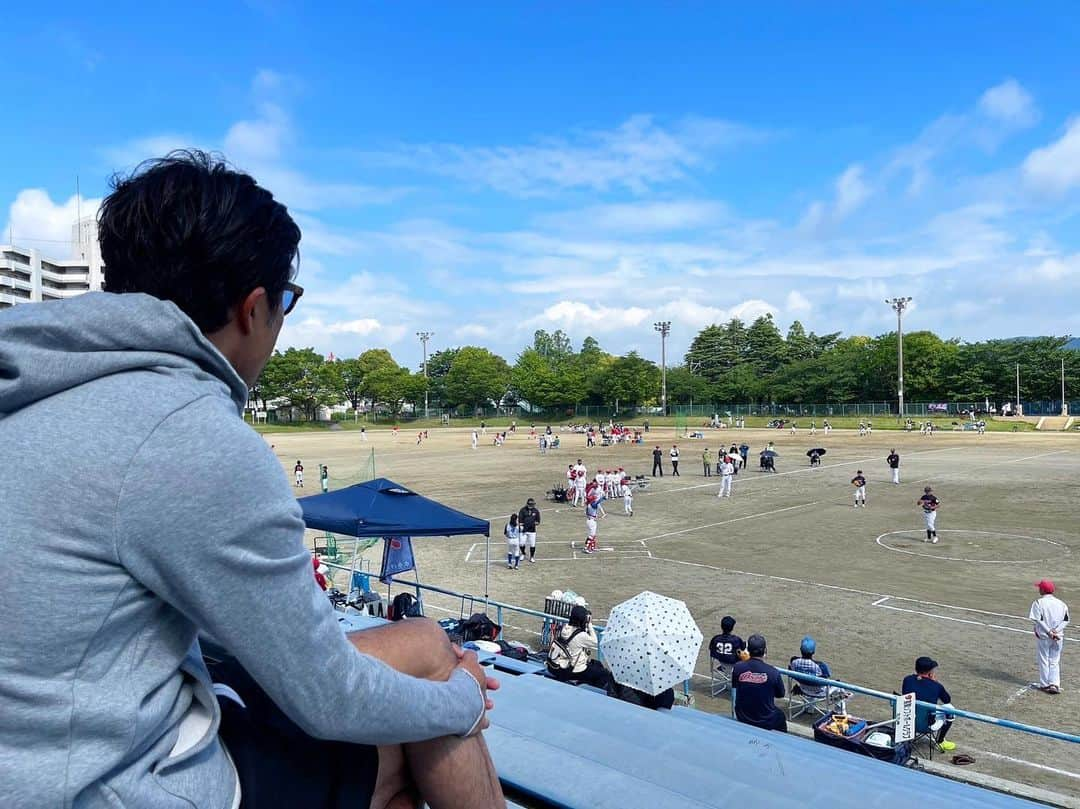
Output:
(894, 699)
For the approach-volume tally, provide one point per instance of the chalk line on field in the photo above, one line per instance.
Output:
(968, 470)
(985, 624)
(644, 540)
(1024, 762)
(1027, 689)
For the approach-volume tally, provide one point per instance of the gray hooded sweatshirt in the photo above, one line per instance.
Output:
(137, 507)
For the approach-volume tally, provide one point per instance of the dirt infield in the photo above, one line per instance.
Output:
(788, 555)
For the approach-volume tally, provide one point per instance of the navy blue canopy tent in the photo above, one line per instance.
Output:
(380, 508)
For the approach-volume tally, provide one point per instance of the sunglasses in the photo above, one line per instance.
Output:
(291, 296)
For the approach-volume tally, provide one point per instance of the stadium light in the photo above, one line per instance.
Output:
(899, 305)
(664, 327)
(424, 337)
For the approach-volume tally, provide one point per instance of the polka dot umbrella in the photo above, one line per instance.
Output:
(651, 642)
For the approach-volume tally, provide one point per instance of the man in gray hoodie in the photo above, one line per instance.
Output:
(131, 480)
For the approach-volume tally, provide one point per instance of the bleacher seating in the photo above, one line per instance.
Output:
(565, 747)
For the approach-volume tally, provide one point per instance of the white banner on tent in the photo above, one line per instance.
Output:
(905, 718)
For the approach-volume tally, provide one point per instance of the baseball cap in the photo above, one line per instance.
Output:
(1045, 586)
(928, 489)
(755, 645)
(924, 665)
(530, 502)
(727, 623)
(808, 646)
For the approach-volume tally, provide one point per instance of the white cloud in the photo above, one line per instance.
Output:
(1010, 104)
(472, 331)
(797, 302)
(850, 192)
(576, 315)
(260, 138)
(641, 217)
(635, 156)
(1057, 268)
(1055, 168)
(690, 313)
(865, 290)
(34, 220)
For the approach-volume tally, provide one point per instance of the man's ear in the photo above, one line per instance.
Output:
(248, 309)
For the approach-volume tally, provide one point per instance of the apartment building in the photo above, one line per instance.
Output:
(27, 276)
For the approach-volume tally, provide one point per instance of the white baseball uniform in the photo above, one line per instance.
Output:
(1050, 616)
(727, 474)
(627, 497)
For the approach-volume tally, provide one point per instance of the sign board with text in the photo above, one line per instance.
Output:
(905, 718)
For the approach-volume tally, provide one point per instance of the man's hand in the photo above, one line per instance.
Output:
(467, 660)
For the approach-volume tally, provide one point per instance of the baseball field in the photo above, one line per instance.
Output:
(788, 555)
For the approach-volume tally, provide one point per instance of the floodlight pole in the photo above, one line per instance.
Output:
(899, 305)
(1064, 406)
(424, 337)
(664, 327)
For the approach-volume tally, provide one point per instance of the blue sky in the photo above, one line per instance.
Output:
(483, 170)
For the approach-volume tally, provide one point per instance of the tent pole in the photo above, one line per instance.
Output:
(487, 569)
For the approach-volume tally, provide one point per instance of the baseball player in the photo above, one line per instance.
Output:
(859, 482)
(571, 485)
(579, 483)
(929, 504)
(475, 438)
(627, 495)
(591, 509)
(893, 460)
(324, 478)
(528, 519)
(1050, 616)
(674, 460)
(298, 474)
(727, 474)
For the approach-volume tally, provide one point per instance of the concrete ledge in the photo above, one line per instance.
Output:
(975, 778)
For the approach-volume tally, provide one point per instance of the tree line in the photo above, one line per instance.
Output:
(725, 364)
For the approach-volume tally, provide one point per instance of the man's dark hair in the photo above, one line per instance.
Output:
(189, 229)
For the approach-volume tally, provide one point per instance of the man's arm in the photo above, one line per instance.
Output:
(206, 521)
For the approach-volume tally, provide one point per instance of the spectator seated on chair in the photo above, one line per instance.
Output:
(724, 648)
(569, 658)
(664, 700)
(933, 725)
(828, 696)
(756, 686)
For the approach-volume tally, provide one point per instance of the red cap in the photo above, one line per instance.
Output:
(1045, 586)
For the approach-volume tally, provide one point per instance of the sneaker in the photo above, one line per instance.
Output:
(532, 561)
(934, 540)
(946, 746)
(509, 566)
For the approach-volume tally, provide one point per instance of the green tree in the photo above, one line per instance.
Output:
(438, 367)
(303, 377)
(631, 380)
(351, 377)
(477, 377)
(684, 387)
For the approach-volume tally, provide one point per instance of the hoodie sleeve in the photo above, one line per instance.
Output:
(206, 521)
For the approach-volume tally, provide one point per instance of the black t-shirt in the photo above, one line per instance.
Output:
(657, 456)
(757, 685)
(929, 502)
(725, 647)
(529, 518)
(893, 461)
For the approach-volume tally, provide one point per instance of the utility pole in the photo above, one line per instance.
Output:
(899, 305)
(1019, 410)
(424, 337)
(1064, 405)
(664, 327)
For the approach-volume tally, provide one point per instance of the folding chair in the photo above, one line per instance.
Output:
(929, 735)
(799, 702)
(719, 678)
